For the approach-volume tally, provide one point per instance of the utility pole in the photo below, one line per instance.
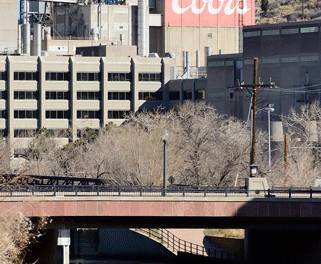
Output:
(252, 90)
(165, 164)
(269, 108)
(253, 114)
(285, 152)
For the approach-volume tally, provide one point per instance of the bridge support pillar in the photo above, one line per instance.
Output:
(279, 246)
(256, 186)
(64, 241)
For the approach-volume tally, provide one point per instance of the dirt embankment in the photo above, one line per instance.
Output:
(277, 11)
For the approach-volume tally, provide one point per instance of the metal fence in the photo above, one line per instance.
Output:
(175, 245)
(155, 191)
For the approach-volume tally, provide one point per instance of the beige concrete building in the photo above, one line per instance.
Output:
(8, 27)
(182, 90)
(66, 95)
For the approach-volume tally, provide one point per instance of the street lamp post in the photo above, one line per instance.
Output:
(165, 165)
(269, 108)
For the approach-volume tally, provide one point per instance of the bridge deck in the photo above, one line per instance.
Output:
(70, 206)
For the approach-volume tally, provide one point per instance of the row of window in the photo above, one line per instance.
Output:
(119, 96)
(22, 95)
(88, 95)
(83, 76)
(3, 76)
(22, 114)
(3, 114)
(24, 133)
(3, 95)
(57, 114)
(88, 76)
(150, 96)
(150, 77)
(119, 77)
(27, 133)
(25, 76)
(57, 95)
(283, 31)
(187, 95)
(118, 114)
(57, 76)
(85, 114)
(61, 114)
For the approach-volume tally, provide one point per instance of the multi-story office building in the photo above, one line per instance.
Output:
(68, 94)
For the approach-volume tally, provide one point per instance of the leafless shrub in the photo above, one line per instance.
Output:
(303, 165)
(204, 149)
(17, 232)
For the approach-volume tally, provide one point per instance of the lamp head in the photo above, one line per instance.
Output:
(165, 136)
(270, 107)
(253, 169)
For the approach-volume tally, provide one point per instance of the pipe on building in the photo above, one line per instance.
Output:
(143, 28)
(186, 65)
(37, 39)
(26, 29)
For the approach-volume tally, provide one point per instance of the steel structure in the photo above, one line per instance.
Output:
(39, 180)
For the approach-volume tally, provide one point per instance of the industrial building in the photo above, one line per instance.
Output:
(290, 59)
(66, 95)
(185, 30)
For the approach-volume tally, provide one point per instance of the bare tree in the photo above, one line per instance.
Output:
(303, 167)
(17, 232)
(205, 148)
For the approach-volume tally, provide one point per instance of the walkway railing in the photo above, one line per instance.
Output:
(154, 191)
(175, 245)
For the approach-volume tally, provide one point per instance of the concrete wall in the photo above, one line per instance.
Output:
(61, 47)
(185, 90)
(8, 26)
(82, 21)
(196, 39)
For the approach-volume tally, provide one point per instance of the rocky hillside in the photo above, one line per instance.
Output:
(277, 11)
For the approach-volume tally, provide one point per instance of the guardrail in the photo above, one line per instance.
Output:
(154, 191)
(104, 190)
(175, 245)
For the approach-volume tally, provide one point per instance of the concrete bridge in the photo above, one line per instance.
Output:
(289, 221)
(164, 207)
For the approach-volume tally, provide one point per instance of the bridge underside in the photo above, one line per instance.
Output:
(187, 222)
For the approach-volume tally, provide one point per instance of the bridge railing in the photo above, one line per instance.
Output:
(154, 191)
(176, 245)
(104, 190)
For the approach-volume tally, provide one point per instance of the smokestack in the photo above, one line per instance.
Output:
(143, 28)
(26, 29)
